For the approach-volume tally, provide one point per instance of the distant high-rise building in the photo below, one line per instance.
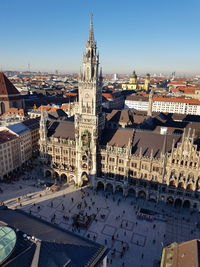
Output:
(115, 77)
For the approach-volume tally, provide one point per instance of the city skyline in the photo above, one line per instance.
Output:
(149, 37)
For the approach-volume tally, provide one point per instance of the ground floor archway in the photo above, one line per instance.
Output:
(178, 203)
(195, 206)
(109, 188)
(170, 200)
(56, 175)
(119, 190)
(100, 186)
(142, 194)
(153, 197)
(85, 179)
(132, 192)
(186, 204)
(47, 173)
(63, 177)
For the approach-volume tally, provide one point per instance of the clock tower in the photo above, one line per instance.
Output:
(89, 120)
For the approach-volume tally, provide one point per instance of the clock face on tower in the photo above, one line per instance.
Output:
(86, 95)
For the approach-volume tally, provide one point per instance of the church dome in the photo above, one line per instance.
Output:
(134, 75)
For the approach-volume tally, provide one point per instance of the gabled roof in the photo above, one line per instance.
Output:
(142, 141)
(151, 141)
(123, 116)
(6, 87)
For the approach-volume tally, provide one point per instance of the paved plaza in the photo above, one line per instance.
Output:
(132, 241)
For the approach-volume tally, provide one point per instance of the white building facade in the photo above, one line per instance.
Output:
(166, 105)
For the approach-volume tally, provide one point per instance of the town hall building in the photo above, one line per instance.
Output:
(84, 149)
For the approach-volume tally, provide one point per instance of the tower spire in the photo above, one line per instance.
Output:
(91, 33)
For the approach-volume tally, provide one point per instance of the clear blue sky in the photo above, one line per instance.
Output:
(146, 35)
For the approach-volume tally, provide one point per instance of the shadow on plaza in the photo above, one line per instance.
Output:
(77, 210)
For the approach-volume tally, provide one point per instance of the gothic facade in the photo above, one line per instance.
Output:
(144, 164)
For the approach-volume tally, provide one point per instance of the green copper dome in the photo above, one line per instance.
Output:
(7, 242)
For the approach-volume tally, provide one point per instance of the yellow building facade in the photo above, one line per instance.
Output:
(135, 84)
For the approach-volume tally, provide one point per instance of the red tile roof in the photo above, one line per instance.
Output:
(187, 89)
(6, 87)
(178, 100)
(107, 95)
(71, 93)
(45, 108)
(65, 106)
(15, 111)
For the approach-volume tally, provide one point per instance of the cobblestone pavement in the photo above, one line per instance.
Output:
(132, 241)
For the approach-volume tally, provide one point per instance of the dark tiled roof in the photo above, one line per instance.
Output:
(119, 137)
(63, 129)
(6, 87)
(6, 136)
(54, 254)
(59, 113)
(123, 116)
(148, 141)
(32, 123)
(57, 244)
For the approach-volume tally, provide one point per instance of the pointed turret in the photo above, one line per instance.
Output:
(91, 32)
(43, 127)
(90, 100)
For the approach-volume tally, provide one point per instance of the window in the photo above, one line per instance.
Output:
(134, 165)
(121, 161)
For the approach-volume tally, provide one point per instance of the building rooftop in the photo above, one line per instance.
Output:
(62, 129)
(6, 87)
(18, 128)
(164, 99)
(57, 247)
(32, 123)
(182, 255)
(6, 136)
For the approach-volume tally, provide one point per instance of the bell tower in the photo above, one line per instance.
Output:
(89, 120)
